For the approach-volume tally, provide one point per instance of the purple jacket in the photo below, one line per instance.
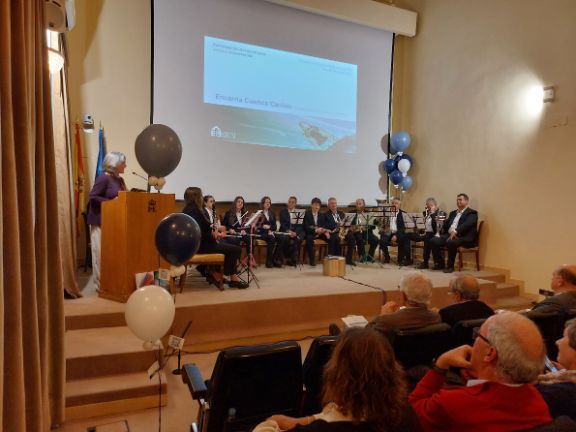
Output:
(106, 187)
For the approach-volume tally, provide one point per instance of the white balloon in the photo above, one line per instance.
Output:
(149, 312)
(152, 181)
(404, 165)
(161, 181)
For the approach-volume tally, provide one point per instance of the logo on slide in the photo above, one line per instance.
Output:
(216, 132)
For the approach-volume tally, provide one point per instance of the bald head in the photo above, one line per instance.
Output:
(564, 278)
(466, 286)
(519, 346)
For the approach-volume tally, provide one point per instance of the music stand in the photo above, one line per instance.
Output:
(249, 262)
(296, 219)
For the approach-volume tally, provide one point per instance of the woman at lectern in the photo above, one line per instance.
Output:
(106, 187)
(193, 199)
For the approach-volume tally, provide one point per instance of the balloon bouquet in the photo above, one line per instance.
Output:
(397, 167)
(150, 310)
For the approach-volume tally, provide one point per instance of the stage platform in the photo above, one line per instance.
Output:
(299, 301)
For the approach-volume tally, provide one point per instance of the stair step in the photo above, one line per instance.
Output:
(112, 387)
(490, 275)
(104, 351)
(506, 289)
(515, 303)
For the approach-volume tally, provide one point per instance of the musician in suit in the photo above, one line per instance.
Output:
(295, 232)
(358, 234)
(233, 221)
(396, 232)
(266, 229)
(465, 290)
(430, 214)
(460, 229)
(333, 220)
(314, 228)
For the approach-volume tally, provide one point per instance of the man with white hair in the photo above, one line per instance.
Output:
(508, 354)
(416, 290)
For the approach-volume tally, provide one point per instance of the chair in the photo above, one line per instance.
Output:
(419, 346)
(319, 245)
(248, 385)
(462, 331)
(88, 241)
(551, 325)
(214, 260)
(475, 250)
(312, 370)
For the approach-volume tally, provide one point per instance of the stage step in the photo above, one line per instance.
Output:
(106, 373)
(514, 303)
(92, 353)
(113, 394)
(507, 289)
(488, 275)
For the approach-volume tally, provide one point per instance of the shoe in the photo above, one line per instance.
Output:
(350, 263)
(269, 265)
(334, 330)
(423, 266)
(386, 260)
(278, 264)
(449, 270)
(438, 267)
(238, 284)
(312, 263)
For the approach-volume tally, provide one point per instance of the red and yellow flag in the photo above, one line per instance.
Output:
(79, 179)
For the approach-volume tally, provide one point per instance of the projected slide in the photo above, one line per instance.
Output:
(276, 98)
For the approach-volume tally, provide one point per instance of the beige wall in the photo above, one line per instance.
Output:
(460, 87)
(461, 93)
(109, 67)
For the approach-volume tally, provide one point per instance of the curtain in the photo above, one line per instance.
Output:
(31, 300)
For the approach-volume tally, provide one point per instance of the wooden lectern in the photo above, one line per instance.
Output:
(128, 246)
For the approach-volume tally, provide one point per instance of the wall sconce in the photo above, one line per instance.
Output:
(55, 61)
(548, 94)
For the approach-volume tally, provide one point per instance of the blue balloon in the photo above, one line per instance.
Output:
(400, 141)
(396, 177)
(389, 165)
(177, 238)
(406, 183)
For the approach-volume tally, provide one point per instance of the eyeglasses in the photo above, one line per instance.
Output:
(476, 334)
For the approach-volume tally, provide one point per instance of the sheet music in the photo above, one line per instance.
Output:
(297, 216)
(252, 219)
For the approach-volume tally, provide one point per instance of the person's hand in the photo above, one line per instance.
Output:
(390, 307)
(291, 233)
(284, 422)
(232, 231)
(457, 357)
(266, 227)
(453, 236)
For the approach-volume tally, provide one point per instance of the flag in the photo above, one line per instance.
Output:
(79, 179)
(101, 152)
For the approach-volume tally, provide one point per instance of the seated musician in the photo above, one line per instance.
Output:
(396, 232)
(266, 228)
(233, 221)
(333, 220)
(429, 231)
(208, 244)
(314, 228)
(359, 232)
(295, 232)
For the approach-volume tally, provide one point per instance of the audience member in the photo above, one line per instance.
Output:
(563, 284)
(416, 290)
(465, 291)
(508, 354)
(559, 387)
(364, 390)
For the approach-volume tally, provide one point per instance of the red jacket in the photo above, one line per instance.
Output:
(486, 407)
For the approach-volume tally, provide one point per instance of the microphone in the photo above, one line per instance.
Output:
(140, 175)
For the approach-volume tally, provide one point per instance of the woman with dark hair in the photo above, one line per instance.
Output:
(266, 229)
(364, 390)
(193, 199)
(106, 187)
(233, 220)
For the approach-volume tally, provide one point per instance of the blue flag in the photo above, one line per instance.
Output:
(101, 152)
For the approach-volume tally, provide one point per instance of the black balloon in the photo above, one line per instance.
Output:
(177, 238)
(158, 150)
